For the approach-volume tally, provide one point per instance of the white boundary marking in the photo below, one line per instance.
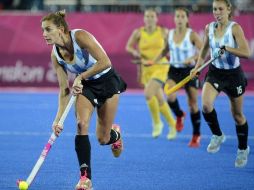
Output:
(125, 135)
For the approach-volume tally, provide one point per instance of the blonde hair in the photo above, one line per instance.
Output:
(229, 6)
(58, 19)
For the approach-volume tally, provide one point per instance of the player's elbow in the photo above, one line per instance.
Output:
(248, 54)
(128, 49)
(107, 63)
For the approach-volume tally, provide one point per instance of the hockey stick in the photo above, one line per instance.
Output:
(176, 87)
(48, 146)
(139, 62)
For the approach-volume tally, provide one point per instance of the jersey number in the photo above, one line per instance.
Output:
(239, 90)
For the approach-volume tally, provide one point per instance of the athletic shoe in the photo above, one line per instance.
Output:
(117, 147)
(172, 133)
(84, 183)
(157, 130)
(195, 141)
(180, 122)
(215, 143)
(242, 157)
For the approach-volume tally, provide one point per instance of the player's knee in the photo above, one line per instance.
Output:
(207, 108)
(239, 118)
(172, 97)
(82, 126)
(148, 96)
(193, 106)
(193, 109)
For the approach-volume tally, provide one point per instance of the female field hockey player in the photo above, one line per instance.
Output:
(146, 43)
(97, 85)
(183, 44)
(225, 74)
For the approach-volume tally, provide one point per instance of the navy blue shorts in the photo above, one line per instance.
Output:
(99, 90)
(233, 81)
(178, 74)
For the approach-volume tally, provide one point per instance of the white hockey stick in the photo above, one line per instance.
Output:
(48, 146)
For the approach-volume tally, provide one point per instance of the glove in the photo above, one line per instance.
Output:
(219, 51)
(223, 48)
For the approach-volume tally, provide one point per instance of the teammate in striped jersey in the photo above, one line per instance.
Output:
(225, 74)
(183, 44)
(97, 85)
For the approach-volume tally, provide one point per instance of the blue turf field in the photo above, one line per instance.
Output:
(146, 163)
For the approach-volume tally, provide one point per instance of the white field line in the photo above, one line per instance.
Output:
(125, 135)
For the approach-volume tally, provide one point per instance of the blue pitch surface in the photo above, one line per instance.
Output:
(145, 164)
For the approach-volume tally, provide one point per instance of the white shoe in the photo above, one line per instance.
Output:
(157, 130)
(242, 157)
(216, 141)
(172, 133)
(84, 184)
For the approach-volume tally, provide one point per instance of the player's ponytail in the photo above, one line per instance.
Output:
(61, 13)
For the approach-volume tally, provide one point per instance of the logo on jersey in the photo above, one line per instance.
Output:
(216, 85)
(95, 101)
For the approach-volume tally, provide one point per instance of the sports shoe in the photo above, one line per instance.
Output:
(157, 130)
(84, 183)
(195, 141)
(117, 147)
(242, 157)
(172, 133)
(216, 141)
(180, 122)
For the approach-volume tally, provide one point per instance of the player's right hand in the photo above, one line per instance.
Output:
(57, 129)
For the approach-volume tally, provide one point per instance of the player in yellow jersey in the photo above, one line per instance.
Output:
(145, 43)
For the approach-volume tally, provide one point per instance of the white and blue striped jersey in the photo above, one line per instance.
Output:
(179, 52)
(227, 60)
(82, 60)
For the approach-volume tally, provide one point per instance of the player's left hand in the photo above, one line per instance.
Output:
(194, 73)
(77, 86)
(147, 63)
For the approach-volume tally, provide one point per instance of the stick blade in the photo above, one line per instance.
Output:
(179, 85)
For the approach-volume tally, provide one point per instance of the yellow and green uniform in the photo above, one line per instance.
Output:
(150, 46)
